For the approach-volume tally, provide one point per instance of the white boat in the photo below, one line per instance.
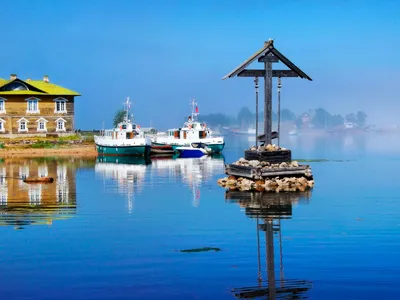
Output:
(192, 131)
(125, 140)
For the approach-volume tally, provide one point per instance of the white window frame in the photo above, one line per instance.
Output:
(26, 125)
(23, 171)
(63, 122)
(3, 194)
(62, 101)
(2, 125)
(3, 109)
(44, 121)
(35, 194)
(28, 111)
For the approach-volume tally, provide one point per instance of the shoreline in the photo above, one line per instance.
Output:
(81, 150)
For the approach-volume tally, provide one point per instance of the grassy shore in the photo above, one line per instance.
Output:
(75, 145)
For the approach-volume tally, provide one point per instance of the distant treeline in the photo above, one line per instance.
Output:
(318, 118)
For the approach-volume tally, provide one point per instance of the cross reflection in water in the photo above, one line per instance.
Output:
(270, 209)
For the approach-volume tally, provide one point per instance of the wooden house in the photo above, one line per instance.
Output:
(35, 107)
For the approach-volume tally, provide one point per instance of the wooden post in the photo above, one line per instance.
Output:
(269, 236)
(256, 86)
(279, 110)
(268, 103)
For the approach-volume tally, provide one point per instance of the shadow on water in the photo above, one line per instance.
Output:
(269, 209)
(23, 204)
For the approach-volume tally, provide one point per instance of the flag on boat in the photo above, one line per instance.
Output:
(197, 109)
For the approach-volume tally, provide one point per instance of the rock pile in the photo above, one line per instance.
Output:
(287, 184)
(264, 164)
(268, 147)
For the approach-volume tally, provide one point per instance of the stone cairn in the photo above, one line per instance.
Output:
(286, 176)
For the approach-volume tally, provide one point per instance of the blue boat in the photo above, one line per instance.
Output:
(194, 150)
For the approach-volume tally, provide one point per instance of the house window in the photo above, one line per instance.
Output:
(33, 105)
(43, 171)
(3, 195)
(35, 194)
(2, 126)
(41, 124)
(61, 106)
(2, 106)
(23, 125)
(23, 172)
(60, 124)
(3, 175)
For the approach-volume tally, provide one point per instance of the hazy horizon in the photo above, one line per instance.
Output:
(163, 53)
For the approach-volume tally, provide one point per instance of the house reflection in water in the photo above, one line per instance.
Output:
(270, 209)
(36, 203)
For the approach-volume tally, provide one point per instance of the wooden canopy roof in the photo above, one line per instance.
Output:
(261, 54)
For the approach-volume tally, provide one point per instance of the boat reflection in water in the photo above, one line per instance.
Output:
(270, 209)
(24, 204)
(194, 172)
(128, 172)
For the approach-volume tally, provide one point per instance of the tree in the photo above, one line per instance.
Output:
(336, 120)
(287, 115)
(119, 117)
(321, 118)
(361, 118)
(351, 118)
(245, 116)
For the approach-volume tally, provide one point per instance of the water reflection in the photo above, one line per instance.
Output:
(269, 209)
(24, 204)
(193, 172)
(127, 176)
(127, 172)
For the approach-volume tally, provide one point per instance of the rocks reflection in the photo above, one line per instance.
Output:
(268, 209)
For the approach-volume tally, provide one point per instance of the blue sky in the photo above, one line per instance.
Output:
(163, 53)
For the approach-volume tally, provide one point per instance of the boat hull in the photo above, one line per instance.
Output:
(186, 153)
(216, 148)
(143, 150)
(162, 150)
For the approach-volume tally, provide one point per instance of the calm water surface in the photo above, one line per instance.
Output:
(107, 230)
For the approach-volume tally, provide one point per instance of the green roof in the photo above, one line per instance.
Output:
(44, 88)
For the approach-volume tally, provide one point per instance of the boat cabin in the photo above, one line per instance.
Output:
(191, 131)
(124, 131)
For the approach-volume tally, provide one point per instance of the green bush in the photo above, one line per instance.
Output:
(74, 137)
(43, 144)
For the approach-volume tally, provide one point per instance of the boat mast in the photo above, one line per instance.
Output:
(128, 104)
(194, 112)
